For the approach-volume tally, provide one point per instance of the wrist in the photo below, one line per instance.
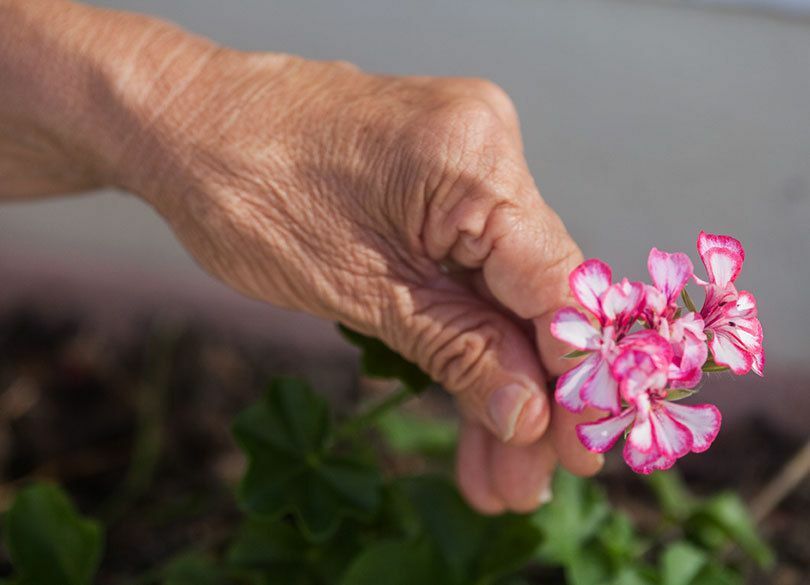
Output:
(90, 82)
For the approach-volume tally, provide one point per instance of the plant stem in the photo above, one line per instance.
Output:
(796, 470)
(369, 416)
(151, 415)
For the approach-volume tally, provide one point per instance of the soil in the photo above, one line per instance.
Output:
(136, 427)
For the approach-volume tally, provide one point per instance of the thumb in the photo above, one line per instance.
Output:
(525, 255)
(478, 354)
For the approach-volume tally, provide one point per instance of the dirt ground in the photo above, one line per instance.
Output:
(136, 427)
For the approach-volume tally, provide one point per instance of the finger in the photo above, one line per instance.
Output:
(479, 355)
(522, 474)
(577, 459)
(572, 453)
(525, 255)
(472, 468)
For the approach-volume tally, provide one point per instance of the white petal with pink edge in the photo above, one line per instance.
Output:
(588, 282)
(622, 301)
(601, 435)
(601, 390)
(669, 272)
(671, 438)
(746, 304)
(642, 462)
(574, 328)
(727, 353)
(722, 265)
(706, 242)
(759, 363)
(570, 383)
(702, 421)
(641, 435)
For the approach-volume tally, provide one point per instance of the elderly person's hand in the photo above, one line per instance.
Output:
(399, 206)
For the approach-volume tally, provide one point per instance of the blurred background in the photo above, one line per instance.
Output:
(643, 121)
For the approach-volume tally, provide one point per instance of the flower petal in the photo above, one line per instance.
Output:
(601, 435)
(588, 281)
(727, 353)
(642, 364)
(623, 301)
(702, 421)
(641, 435)
(601, 390)
(669, 272)
(689, 353)
(672, 439)
(723, 266)
(574, 328)
(759, 363)
(570, 383)
(708, 241)
(746, 305)
(639, 461)
(655, 302)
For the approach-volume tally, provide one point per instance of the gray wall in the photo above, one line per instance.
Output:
(643, 123)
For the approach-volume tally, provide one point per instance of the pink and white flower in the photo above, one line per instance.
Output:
(670, 273)
(616, 307)
(662, 431)
(631, 374)
(729, 316)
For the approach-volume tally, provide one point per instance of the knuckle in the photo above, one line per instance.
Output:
(460, 359)
(495, 96)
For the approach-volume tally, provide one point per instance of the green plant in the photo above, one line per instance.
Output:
(318, 509)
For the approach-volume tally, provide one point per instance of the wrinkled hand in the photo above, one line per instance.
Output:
(399, 206)
(402, 207)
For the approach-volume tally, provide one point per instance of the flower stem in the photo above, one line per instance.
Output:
(687, 300)
(370, 415)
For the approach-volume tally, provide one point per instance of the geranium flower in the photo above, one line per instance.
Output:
(670, 273)
(729, 316)
(662, 431)
(616, 307)
(637, 375)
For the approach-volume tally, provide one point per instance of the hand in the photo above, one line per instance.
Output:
(399, 206)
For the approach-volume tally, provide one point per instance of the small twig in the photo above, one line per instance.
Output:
(787, 480)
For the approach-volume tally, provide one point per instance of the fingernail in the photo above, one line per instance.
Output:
(505, 406)
(546, 495)
(600, 459)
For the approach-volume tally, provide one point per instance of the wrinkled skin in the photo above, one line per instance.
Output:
(400, 206)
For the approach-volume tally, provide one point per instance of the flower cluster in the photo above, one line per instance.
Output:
(644, 351)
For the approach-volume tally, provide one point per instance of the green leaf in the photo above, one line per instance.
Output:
(590, 566)
(573, 517)
(193, 568)
(577, 353)
(379, 361)
(48, 541)
(290, 467)
(473, 548)
(712, 368)
(618, 538)
(675, 394)
(726, 513)
(418, 435)
(672, 494)
(716, 574)
(276, 547)
(681, 563)
(397, 562)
